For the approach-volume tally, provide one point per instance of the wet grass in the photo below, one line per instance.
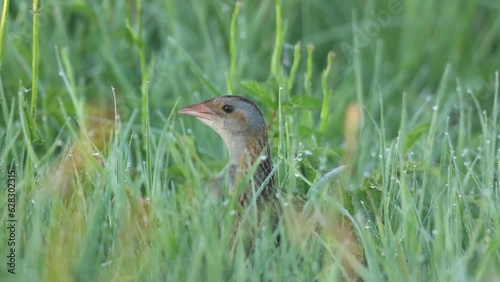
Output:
(111, 184)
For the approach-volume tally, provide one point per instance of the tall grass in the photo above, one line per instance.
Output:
(113, 185)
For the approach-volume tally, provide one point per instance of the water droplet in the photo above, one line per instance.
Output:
(263, 158)
(435, 107)
(59, 143)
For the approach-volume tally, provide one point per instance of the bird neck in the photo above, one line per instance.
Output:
(245, 151)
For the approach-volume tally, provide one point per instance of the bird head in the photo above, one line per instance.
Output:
(236, 119)
(229, 116)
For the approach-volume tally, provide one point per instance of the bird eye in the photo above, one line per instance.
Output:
(228, 109)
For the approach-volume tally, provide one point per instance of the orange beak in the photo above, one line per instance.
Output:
(200, 111)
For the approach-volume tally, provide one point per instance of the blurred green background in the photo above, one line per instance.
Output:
(420, 78)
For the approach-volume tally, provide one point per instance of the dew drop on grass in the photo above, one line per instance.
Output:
(435, 107)
(106, 263)
(297, 174)
(59, 143)
(367, 226)
(263, 158)
(189, 131)
(315, 267)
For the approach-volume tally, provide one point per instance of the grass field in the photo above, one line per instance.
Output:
(111, 183)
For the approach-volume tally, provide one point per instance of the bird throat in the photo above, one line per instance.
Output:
(249, 169)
